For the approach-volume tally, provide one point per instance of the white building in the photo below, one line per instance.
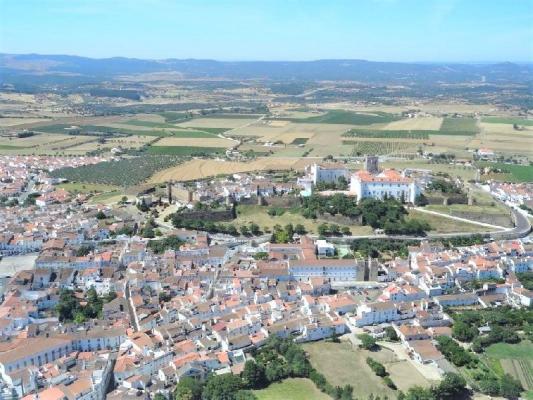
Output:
(333, 269)
(315, 174)
(387, 183)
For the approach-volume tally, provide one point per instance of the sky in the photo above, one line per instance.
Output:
(379, 30)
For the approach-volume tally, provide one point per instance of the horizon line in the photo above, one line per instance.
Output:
(270, 60)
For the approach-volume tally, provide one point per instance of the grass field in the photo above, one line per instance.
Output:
(218, 121)
(291, 389)
(342, 365)
(508, 120)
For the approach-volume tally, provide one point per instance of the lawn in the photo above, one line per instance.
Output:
(293, 389)
(441, 224)
(508, 120)
(259, 215)
(342, 365)
(185, 150)
(523, 350)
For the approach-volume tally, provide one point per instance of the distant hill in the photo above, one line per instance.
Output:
(67, 67)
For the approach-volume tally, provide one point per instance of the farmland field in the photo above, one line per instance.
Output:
(458, 126)
(514, 359)
(385, 147)
(126, 172)
(216, 122)
(74, 187)
(508, 120)
(389, 134)
(200, 142)
(198, 169)
(510, 172)
(185, 150)
(347, 117)
(415, 124)
(291, 388)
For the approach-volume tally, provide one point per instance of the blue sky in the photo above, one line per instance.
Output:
(385, 30)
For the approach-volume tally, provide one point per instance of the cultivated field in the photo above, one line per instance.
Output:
(203, 142)
(419, 124)
(217, 122)
(513, 359)
(199, 168)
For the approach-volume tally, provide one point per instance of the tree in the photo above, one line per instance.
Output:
(418, 393)
(245, 395)
(323, 229)
(510, 388)
(450, 387)
(276, 370)
(490, 386)
(222, 387)
(254, 229)
(188, 389)
(253, 375)
(463, 332)
(391, 334)
(300, 229)
(244, 230)
(367, 341)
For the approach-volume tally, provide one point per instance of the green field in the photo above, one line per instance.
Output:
(8, 147)
(291, 389)
(389, 134)
(171, 116)
(458, 126)
(510, 172)
(507, 120)
(347, 117)
(214, 131)
(522, 350)
(513, 359)
(185, 150)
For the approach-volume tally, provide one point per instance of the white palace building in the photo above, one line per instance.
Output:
(369, 182)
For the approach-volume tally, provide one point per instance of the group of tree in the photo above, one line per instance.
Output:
(443, 186)
(526, 279)
(452, 386)
(203, 225)
(503, 323)
(69, 307)
(379, 370)
(339, 184)
(333, 230)
(172, 242)
(388, 214)
(378, 248)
